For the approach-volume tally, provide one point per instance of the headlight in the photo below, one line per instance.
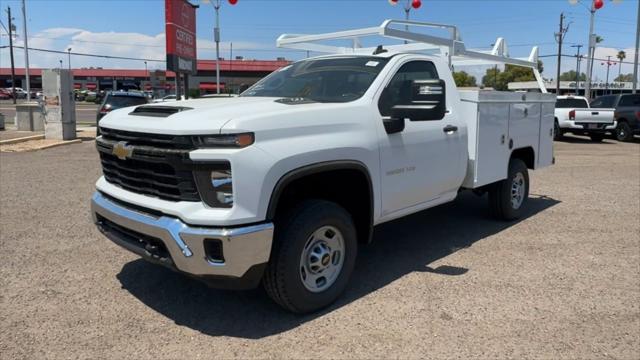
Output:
(224, 141)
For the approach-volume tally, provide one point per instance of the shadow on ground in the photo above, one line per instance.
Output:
(399, 248)
(578, 139)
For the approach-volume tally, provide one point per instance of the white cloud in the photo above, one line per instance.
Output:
(134, 45)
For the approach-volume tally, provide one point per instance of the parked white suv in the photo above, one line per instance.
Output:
(282, 184)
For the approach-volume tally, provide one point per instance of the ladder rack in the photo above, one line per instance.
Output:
(452, 47)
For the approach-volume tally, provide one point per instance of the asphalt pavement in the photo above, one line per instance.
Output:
(449, 282)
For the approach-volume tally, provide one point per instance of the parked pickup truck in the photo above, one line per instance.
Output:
(281, 185)
(573, 115)
(626, 116)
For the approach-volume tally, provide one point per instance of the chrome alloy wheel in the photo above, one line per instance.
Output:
(517, 191)
(322, 259)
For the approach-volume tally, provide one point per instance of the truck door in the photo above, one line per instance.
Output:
(423, 161)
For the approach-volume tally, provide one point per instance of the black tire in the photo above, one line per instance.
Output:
(557, 131)
(282, 280)
(500, 203)
(623, 131)
(596, 137)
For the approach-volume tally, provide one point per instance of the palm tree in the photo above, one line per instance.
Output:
(621, 56)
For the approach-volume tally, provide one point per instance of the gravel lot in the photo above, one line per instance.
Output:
(448, 282)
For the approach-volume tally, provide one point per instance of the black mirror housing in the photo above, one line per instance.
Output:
(427, 101)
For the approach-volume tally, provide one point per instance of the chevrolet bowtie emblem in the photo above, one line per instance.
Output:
(122, 150)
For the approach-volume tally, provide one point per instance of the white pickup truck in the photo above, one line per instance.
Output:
(281, 185)
(573, 115)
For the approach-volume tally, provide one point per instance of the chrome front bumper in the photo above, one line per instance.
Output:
(243, 247)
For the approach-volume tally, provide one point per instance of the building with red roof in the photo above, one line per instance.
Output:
(235, 76)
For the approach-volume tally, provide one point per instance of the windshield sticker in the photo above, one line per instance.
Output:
(372, 63)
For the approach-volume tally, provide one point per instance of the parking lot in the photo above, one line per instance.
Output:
(563, 282)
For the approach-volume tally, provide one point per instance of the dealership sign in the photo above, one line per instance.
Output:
(180, 17)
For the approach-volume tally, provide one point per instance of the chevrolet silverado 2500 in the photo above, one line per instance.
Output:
(281, 185)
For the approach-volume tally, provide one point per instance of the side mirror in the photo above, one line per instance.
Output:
(426, 101)
(393, 125)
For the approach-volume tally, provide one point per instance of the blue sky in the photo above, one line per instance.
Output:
(136, 27)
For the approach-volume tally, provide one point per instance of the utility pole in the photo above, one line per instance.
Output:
(635, 61)
(606, 84)
(560, 36)
(577, 68)
(13, 68)
(26, 49)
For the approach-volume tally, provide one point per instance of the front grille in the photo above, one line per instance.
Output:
(153, 171)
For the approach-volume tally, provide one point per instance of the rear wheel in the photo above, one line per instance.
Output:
(508, 197)
(313, 256)
(596, 137)
(623, 131)
(557, 131)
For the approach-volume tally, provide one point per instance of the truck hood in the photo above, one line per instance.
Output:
(199, 116)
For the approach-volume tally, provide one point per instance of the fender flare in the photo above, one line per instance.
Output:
(317, 168)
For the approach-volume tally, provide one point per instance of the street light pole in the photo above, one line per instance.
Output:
(69, 61)
(26, 49)
(216, 37)
(591, 53)
(13, 68)
(635, 61)
(146, 73)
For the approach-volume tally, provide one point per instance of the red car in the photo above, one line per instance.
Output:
(5, 94)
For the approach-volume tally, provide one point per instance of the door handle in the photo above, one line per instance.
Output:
(450, 129)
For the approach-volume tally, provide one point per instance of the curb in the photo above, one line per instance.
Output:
(68, 142)
(48, 146)
(22, 139)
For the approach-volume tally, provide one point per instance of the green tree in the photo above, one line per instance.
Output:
(571, 76)
(621, 56)
(624, 77)
(499, 80)
(463, 79)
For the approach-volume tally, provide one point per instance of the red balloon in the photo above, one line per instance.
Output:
(417, 3)
(233, 2)
(393, 2)
(598, 4)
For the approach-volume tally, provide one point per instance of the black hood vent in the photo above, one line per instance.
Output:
(158, 111)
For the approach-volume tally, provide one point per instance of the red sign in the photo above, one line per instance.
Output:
(180, 16)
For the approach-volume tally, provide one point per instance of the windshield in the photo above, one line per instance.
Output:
(571, 103)
(323, 80)
(116, 102)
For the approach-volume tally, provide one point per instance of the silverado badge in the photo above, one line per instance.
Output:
(122, 150)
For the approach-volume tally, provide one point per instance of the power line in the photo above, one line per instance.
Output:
(84, 54)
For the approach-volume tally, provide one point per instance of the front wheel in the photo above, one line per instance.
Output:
(313, 256)
(508, 197)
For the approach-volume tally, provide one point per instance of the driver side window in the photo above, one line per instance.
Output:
(398, 91)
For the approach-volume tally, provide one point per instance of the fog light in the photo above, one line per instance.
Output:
(222, 183)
